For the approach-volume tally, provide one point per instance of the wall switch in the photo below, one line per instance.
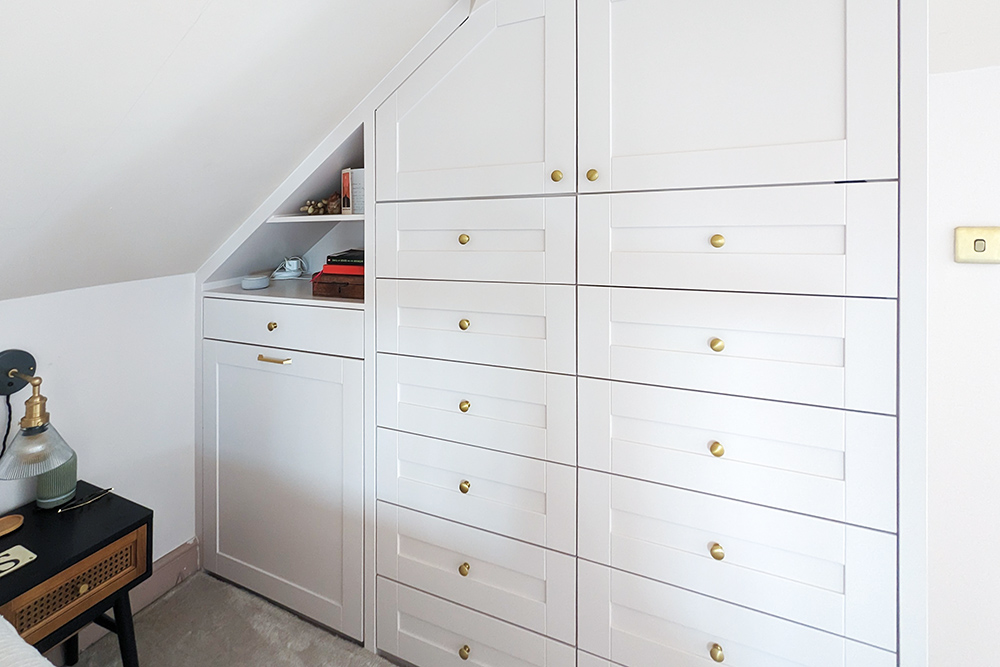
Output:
(977, 245)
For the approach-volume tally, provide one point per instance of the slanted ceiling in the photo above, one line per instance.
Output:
(135, 137)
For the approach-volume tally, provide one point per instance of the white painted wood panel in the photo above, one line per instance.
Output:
(520, 412)
(284, 478)
(777, 562)
(523, 498)
(819, 350)
(516, 582)
(813, 239)
(429, 632)
(521, 326)
(825, 462)
(641, 623)
(513, 240)
(491, 112)
(768, 92)
(326, 330)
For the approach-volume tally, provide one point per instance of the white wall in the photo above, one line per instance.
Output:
(963, 34)
(118, 368)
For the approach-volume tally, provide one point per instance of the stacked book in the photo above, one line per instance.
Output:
(342, 276)
(347, 263)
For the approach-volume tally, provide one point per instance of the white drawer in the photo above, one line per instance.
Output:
(429, 632)
(529, 586)
(521, 412)
(827, 351)
(824, 574)
(522, 326)
(814, 239)
(308, 328)
(513, 240)
(830, 463)
(641, 623)
(523, 498)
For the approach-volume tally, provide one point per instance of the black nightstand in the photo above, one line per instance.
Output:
(88, 561)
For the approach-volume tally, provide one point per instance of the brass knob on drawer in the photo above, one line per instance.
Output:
(717, 449)
(716, 652)
(84, 588)
(463, 238)
(718, 553)
(464, 406)
(593, 175)
(464, 486)
(463, 569)
(557, 175)
(464, 324)
(271, 326)
(718, 241)
(717, 344)
(464, 652)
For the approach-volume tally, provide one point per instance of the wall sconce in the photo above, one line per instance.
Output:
(37, 449)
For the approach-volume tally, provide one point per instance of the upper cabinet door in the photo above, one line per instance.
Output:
(676, 94)
(491, 112)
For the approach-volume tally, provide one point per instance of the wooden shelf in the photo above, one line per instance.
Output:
(285, 291)
(316, 218)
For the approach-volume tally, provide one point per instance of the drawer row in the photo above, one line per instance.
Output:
(836, 239)
(827, 351)
(824, 574)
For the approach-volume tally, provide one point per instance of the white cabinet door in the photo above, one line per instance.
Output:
(520, 412)
(284, 478)
(520, 583)
(676, 93)
(825, 351)
(491, 112)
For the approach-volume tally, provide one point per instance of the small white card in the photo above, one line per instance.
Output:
(14, 558)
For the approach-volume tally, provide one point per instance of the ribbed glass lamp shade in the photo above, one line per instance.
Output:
(34, 451)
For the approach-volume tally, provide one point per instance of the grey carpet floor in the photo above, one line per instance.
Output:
(205, 622)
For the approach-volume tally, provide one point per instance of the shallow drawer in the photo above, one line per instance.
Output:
(522, 326)
(521, 412)
(427, 631)
(641, 623)
(828, 575)
(814, 239)
(825, 462)
(527, 585)
(523, 498)
(826, 351)
(515, 240)
(308, 328)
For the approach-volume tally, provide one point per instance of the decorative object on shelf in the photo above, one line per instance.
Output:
(37, 450)
(256, 281)
(328, 206)
(352, 187)
(338, 285)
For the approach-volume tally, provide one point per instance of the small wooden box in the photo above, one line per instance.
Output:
(341, 286)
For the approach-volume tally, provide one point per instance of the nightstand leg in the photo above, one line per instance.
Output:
(126, 632)
(71, 650)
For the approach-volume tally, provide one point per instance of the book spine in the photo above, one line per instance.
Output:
(345, 269)
(346, 201)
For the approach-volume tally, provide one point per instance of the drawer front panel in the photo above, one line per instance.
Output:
(520, 583)
(640, 623)
(523, 498)
(820, 573)
(521, 326)
(430, 632)
(830, 463)
(820, 350)
(521, 412)
(515, 240)
(817, 239)
(309, 329)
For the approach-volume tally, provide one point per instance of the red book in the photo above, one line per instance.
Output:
(344, 269)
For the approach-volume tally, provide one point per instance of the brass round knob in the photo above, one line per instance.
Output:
(84, 588)
(717, 449)
(718, 241)
(557, 175)
(464, 324)
(718, 553)
(463, 238)
(716, 653)
(463, 569)
(717, 344)
(464, 406)
(271, 326)
(592, 175)
(464, 486)
(464, 652)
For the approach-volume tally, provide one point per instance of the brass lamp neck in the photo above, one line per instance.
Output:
(35, 414)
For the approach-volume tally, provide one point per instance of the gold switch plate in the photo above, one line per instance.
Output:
(977, 245)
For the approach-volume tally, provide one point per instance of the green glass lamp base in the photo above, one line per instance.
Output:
(58, 486)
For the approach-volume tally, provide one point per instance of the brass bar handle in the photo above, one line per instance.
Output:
(464, 406)
(718, 553)
(271, 326)
(717, 449)
(717, 344)
(463, 569)
(272, 360)
(464, 652)
(716, 652)
(464, 324)
(464, 238)
(464, 486)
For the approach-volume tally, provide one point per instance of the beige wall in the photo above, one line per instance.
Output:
(964, 34)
